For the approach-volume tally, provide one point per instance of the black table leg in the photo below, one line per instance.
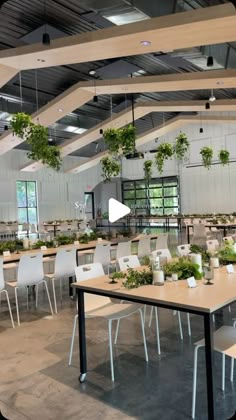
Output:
(70, 288)
(82, 336)
(209, 345)
(188, 234)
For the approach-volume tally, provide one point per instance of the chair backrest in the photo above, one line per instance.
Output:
(212, 244)
(162, 240)
(2, 282)
(30, 269)
(163, 253)
(144, 246)
(129, 261)
(25, 226)
(33, 228)
(102, 253)
(199, 230)
(183, 249)
(65, 262)
(87, 272)
(123, 249)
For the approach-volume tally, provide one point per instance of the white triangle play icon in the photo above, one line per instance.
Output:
(117, 210)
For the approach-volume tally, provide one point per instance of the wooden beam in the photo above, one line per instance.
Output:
(203, 26)
(161, 130)
(6, 74)
(124, 117)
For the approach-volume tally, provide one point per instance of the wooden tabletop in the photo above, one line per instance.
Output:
(177, 294)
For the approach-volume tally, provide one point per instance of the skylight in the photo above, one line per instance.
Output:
(133, 15)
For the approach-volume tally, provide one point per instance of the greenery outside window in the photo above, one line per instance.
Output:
(159, 197)
(27, 202)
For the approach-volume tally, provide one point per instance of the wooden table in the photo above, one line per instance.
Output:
(224, 226)
(202, 300)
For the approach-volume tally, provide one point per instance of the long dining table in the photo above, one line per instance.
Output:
(223, 226)
(201, 300)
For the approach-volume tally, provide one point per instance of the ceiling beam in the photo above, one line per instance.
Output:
(161, 130)
(203, 26)
(6, 74)
(124, 117)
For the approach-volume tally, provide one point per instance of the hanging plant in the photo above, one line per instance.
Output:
(181, 146)
(164, 151)
(128, 138)
(223, 156)
(110, 167)
(36, 136)
(207, 155)
(120, 141)
(147, 167)
(112, 140)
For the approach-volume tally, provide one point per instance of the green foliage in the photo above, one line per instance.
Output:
(39, 243)
(223, 156)
(181, 146)
(120, 140)
(36, 136)
(183, 267)
(110, 168)
(64, 239)
(85, 238)
(227, 254)
(147, 167)
(164, 151)
(136, 278)
(196, 249)
(11, 246)
(118, 275)
(207, 155)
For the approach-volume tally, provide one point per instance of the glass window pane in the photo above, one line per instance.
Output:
(129, 194)
(155, 184)
(22, 215)
(171, 210)
(31, 194)
(140, 184)
(21, 193)
(129, 185)
(170, 191)
(156, 202)
(141, 204)
(171, 202)
(32, 213)
(141, 193)
(157, 212)
(155, 192)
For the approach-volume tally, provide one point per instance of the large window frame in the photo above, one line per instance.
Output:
(27, 201)
(158, 197)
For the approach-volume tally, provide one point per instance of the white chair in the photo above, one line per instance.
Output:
(30, 273)
(162, 241)
(129, 261)
(102, 254)
(123, 249)
(183, 249)
(65, 263)
(163, 254)
(212, 245)
(199, 234)
(224, 343)
(100, 306)
(3, 290)
(144, 246)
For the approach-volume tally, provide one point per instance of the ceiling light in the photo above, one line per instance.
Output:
(101, 131)
(46, 39)
(128, 16)
(5, 127)
(92, 72)
(145, 43)
(210, 61)
(201, 130)
(212, 98)
(95, 98)
(50, 139)
(207, 105)
(60, 109)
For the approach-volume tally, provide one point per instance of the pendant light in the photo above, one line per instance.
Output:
(46, 37)
(207, 105)
(201, 127)
(210, 59)
(212, 97)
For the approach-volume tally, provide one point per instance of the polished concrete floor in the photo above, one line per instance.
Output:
(36, 382)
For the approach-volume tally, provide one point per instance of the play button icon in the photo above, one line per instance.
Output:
(117, 210)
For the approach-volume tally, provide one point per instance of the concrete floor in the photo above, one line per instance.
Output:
(36, 382)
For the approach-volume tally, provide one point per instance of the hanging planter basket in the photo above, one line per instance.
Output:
(224, 156)
(207, 155)
(164, 152)
(181, 146)
(147, 167)
(110, 168)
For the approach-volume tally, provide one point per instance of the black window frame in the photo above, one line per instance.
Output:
(27, 207)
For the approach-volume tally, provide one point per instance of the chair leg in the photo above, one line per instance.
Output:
(232, 370)
(194, 382)
(36, 295)
(189, 324)
(72, 340)
(54, 295)
(180, 325)
(49, 300)
(144, 336)
(117, 330)
(157, 331)
(223, 373)
(9, 307)
(17, 307)
(110, 349)
(60, 290)
(27, 297)
(150, 319)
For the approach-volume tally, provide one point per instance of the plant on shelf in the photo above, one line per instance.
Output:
(183, 267)
(207, 155)
(164, 151)
(223, 156)
(147, 167)
(110, 168)
(181, 146)
(36, 136)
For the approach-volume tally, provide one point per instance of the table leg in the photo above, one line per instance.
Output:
(224, 231)
(70, 288)
(82, 336)
(188, 234)
(209, 345)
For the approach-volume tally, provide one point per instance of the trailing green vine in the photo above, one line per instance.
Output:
(147, 167)
(164, 152)
(110, 168)
(207, 155)
(223, 156)
(181, 146)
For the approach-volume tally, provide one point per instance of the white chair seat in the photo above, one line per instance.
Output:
(10, 266)
(224, 341)
(115, 311)
(12, 283)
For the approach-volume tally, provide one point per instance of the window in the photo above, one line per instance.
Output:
(160, 197)
(27, 201)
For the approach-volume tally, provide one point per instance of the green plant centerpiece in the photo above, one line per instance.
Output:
(110, 167)
(227, 254)
(135, 278)
(147, 167)
(183, 267)
(223, 156)
(207, 155)
(164, 152)
(36, 136)
(206, 255)
(181, 146)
